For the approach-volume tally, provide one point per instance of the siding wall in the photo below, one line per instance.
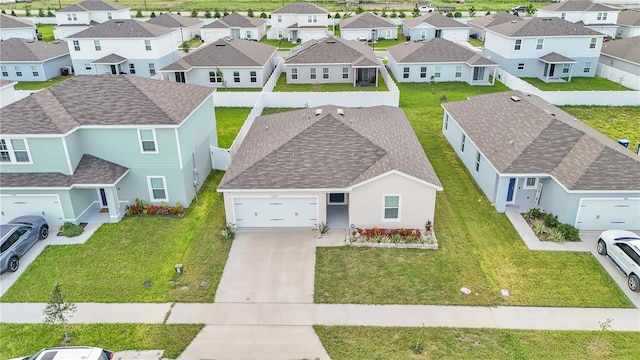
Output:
(47, 155)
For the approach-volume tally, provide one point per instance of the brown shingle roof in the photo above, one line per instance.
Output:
(226, 52)
(110, 59)
(236, 20)
(539, 26)
(4, 82)
(366, 20)
(577, 5)
(627, 49)
(300, 8)
(92, 5)
(299, 150)
(499, 17)
(629, 18)
(126, 28)
(12, 22)
(332, 50)
(434, 19)
(173, 21)
(531, 136)
(102, 100)
(554, 57)
(28, 50)
(435, 50)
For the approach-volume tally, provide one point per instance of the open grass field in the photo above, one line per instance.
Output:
(228, 123)
(282, 86)
(118, 259)
(22, 340)
(617, 122)
(479, 248)
(39, 85)
(367, 343)
(596, 83)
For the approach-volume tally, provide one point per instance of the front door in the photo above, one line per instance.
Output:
(438, 33)
(235, 33)
(511, 190)
(103, 198)
(113, 70)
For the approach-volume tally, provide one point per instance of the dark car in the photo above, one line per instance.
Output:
(521, 8)
(17, 237)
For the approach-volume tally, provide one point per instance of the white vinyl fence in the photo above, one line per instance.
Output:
(624, 78)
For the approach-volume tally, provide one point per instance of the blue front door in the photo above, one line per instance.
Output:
(512, 186)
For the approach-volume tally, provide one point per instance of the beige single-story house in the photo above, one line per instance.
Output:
(346, 167)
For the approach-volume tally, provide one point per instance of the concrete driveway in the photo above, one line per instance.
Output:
(269, 266)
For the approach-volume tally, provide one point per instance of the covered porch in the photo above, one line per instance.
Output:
(556, 67)
(110, 64)
(365, 76)
(483, 75)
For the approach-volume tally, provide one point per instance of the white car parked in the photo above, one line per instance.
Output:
(71, 353)
(623, 248)
(427, 8)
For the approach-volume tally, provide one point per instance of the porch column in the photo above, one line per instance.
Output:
(493, 78)
(113, 204)
(377, 74)
(355, 75)
(570, 71)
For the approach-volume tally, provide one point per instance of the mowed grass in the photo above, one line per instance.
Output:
(228, 123)
(39, 85)
(616, 122)
(47, 31)
(118, 259)
(479, 248)
(366, 343)
(596, 83)
(23, 340)
(282, 86)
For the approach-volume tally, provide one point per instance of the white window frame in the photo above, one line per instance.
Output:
(236, 76)
(279, 19)
(458, 71)
(325, 73)
(152, 69)
(423, 34)
(215, 76)
(345, 72)
(155, 141)
(539, 43)
(593, 42)
(446, 121)
(109, 16)
(405, 72)
(566, 68)
(463, 142)
(517, 45)
(602, 16)
(312, 19)
(253, 76)
(587, 67)
(147, 45)
(384, 208)
(389, 34)
(563, 16)
(437, 72)
(34, 70)
(12, 152)
(4, 70)
(151, 188)
(329, 202)
(96, 45)
(530, 187)
(132, 68)
(423, 72)
(294, 73)
(248, 35)
(76, 45)
(88, 67)
(18, 71)
(313, 75)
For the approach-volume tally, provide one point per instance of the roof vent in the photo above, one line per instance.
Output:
(514, 21)
(515, 98)
(220, 44)
(119, 21)
(331, 41)
(549, 112)
(340, 112)
(318, 112)
(56, 42)
(510, 142)
(29, 41)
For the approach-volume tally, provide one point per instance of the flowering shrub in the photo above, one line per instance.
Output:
(393, 236)
(141, 207)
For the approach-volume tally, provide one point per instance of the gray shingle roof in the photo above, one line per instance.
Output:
(577, 5)
(12, 22)
(299, 150)
(435, 50)
(173, 21)
(366, 20)
(110, 59)
(629, 18)
(236, 20)
(499, 17)
(126, 28)
(332, 50)
(226, 52)
(525, 138)
(554, 57)
(539, 26)
(29, 50)
(300, 8)
(92, 5)
(91, 170)
(434, 19)
(627, 49)
(4, 82)
(102, 100)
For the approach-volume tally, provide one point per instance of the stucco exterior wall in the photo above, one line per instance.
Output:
(447, 72)
(304, 74)
(200, 76)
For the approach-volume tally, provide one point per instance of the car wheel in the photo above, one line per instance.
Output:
(602, 248)
(633, 282)
(44, 232)
(14, 264)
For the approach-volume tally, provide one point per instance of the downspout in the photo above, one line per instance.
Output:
(196, 178)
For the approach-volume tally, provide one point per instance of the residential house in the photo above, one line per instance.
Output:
(361, 167)
(77, 17)
(298, 22)
(441, 59)
(235, 25)
(434, 25)
(595, 16)
(228, 62)
(368, 26)
(123, 46)
(332, 60)
(94, 144)
(15, 27)
(188, 27)
(31, 60)
(622, 54)
(525, 153)
(629, 23)
(478, 25)
(544, 48)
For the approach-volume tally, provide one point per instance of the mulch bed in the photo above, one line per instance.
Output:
(82, 225)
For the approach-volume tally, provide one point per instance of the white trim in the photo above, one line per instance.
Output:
(396, 172)
(384, 207)
(175, 131)
(66, 154)
(86, 209)
(155, 140)
(345, 202)
(166, 192)
(12, 151)
(535, 186)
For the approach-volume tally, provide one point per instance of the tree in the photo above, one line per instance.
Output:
(216, 14)
(515, 12)
(50, 13)
(488, 13)
(472, 11)
(263, 15)
(402, 15)
(250, 13)
(4, 12)
(185, 46)
(194, 13)
(58, 309)
(225, 13)
(153, 14)
(139, 13)
(27, 10)
(40, 13)
(604, 325)
(336, 16)
(530, 9)
(432, 81)
(415, 11)
(457, 14)
(359, 10)
(13, 13)
(207, 14)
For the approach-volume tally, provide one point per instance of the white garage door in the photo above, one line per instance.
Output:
(455, 35)
(275, 212)
(45, 205)
(601, 214)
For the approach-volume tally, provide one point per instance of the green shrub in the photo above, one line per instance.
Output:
(556, 235)
(538, 227)
(551, 220)
(533, 213)
(69, 229)
(229, 232)
(569, 233)
(457, 14)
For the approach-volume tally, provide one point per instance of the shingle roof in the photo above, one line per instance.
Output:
(102, 100)
(627, 49)
(497, 18)
(366, 20)
(629, 18)
(434, 19)
(126, 28)
(300, 8)
(577, 5)
(236, 20)
(299, 150)
(110, 59)
(12, 22)
(29, 50)
(4, 82)
(531, 136)
(435, 50)
(92, 5)
(173, 21)
(226, 52)
(539, 26)
(554, 57)
(332, 50)
(91, 170)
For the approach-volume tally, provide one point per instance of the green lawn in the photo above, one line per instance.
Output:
(596, 83)
(476, 42)
(617, 122)
(39, 85)
(367, 343)
(282, 86)
(21, 340)
(283, 44)
(47, 31)
(479, 248)
(228, 123)
(118, 259)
